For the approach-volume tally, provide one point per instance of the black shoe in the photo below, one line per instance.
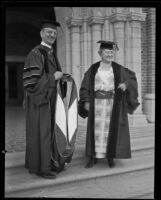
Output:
(95, 160)
(111, 162)
(39, 173)
(90, 163)
(61, 169)
(50, 175)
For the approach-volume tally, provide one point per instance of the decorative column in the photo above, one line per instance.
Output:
(95, 21)
(118, 19)
(108, 28)
(134, 17)
(85, 52)
(127, 32)
(68, 50)
(119, 38)
(75, 24)
(89, 48)
(127, 56)
(75, 53)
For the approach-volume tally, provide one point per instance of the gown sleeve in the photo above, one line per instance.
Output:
(34, 78)
(132, 91)
(84, 94)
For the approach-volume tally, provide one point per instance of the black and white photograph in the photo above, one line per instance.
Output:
(79, 101)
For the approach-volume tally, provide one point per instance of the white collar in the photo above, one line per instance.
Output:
(44, 44)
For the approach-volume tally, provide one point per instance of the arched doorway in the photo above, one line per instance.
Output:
(22, 34)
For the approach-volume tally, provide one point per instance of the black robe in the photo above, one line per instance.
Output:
(40, 89)
(124, 102)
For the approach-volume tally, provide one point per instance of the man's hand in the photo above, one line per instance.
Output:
(58, 75)
(86, 105)
(122, 86)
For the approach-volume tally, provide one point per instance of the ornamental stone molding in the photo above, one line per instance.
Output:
(95, 20)
(100, 12)
(135, 10)
(73, 22)
(126, 14)
(84, 12)
(108, 12)
(117, 17)
(136, 16)
(120, 10)
(89, 15)
(75, 17)
(76, 12)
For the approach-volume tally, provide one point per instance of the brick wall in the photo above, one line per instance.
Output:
(148, 53)
(151, 50)
(144, 56)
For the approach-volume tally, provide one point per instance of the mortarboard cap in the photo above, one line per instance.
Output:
(49, 23)
(108, 45)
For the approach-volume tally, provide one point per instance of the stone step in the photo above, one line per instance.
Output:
(130, 177)
(144, 195)
(139, 147)
(135, 132)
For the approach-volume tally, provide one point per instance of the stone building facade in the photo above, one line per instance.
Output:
(134, 31)
(132, 28)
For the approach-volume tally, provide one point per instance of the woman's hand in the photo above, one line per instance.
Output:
(122, 86)
(87, 105)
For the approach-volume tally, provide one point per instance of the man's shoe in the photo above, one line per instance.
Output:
(111, 162)
(50, 175)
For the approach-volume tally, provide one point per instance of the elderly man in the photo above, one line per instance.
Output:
(40, 75)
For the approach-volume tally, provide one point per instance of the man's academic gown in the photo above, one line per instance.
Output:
(124, 102)
(40, 94)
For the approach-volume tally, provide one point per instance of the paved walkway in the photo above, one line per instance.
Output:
(15, 130)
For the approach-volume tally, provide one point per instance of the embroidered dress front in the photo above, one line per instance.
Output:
(104, 87)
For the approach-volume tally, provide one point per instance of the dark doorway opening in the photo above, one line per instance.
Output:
(14, 95)
(22, 34)
(12, 78)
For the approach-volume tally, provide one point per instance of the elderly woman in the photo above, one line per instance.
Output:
(108, 92)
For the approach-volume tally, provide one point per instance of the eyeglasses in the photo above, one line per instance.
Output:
(108, 52)
(50, 31)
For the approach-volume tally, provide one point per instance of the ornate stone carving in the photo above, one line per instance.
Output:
(95, 16)
(136, 10)
(76, 12)
(126, 14)
(75, 17)
(117, 17)
(95, 20)
(136, 17)
(73, 22)
(121, 10)
(97, 11)
(125, 10)
(113, 10)
(84, 12)
(108, 11)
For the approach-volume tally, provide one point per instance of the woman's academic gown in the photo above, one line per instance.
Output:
(124, 102)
